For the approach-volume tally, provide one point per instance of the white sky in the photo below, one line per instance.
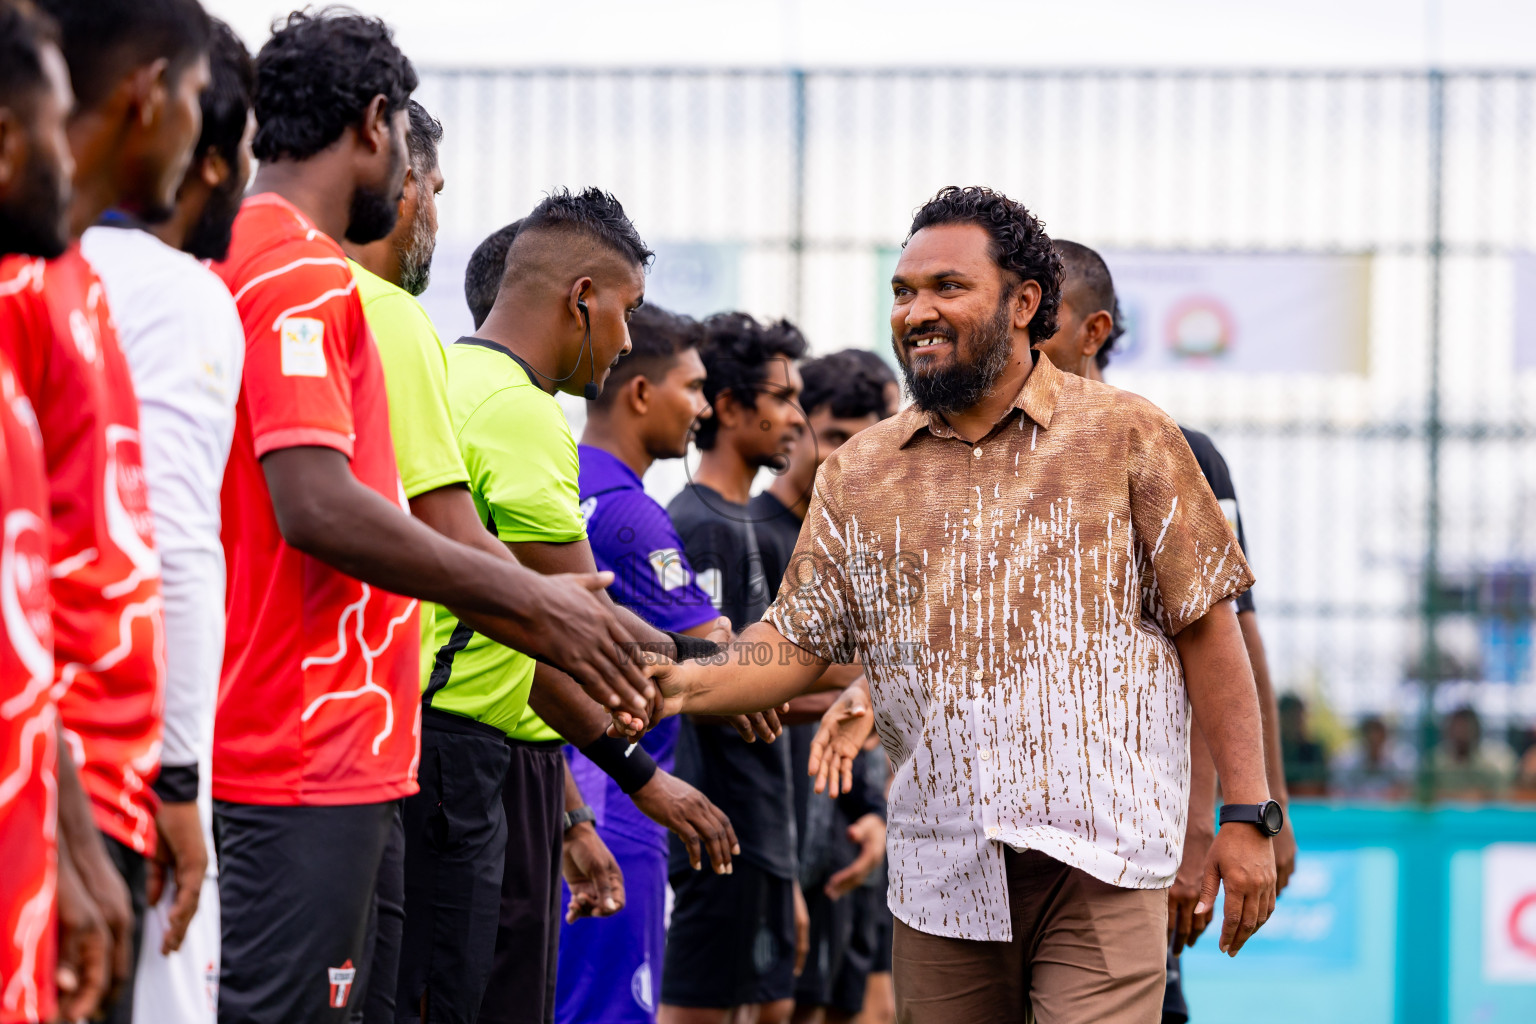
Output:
(956, 33)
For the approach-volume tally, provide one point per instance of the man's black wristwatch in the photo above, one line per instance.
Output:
(579, 815)
(1268, 817)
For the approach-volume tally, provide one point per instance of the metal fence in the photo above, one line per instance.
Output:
(1391, 514)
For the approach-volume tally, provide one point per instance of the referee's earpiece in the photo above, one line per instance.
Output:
(590, 391)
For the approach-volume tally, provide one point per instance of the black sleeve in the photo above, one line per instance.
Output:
(1220, 478)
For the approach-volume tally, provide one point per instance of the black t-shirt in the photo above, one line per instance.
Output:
(822, 822)
(778, 530)
(750, 782)
(1220, 478)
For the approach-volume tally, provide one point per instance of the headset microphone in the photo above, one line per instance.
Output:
(590, 391)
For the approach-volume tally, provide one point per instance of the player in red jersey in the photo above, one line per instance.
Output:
(316, 736)
(137, 67)
(35, 171)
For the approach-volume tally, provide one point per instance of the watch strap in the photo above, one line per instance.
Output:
(579, 815)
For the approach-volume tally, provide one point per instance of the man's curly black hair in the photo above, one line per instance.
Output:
(1020, 246)
(592, 212)
(226, 102)
(316, 76)
(844, 384)
(105, 39)
(24, 34)
(736, 351)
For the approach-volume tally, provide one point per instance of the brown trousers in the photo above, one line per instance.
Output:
(1082, 951)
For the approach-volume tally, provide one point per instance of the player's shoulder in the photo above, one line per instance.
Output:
(1201, 444)
(274, 247)
(626, 517)
(492, 391)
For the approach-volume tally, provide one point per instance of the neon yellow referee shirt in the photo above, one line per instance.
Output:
(524, 477)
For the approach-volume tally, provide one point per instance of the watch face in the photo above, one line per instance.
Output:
(1274, 818)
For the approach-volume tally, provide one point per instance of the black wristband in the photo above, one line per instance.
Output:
(629, 769)
(176, 784)
(693, 648)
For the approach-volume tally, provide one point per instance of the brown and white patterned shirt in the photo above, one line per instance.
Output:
(1013, 602)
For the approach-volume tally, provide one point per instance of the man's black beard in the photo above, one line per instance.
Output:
(208, 239)
(416, 260)
(963, 383)
(36, 222)
(373, 214)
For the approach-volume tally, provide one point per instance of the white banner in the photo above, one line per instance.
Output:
(1242, 313)
(1525, 310)
(1509, 912)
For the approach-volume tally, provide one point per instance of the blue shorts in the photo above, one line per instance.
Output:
(610, 968)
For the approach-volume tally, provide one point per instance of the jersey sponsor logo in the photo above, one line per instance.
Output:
(130, 524)
(341, 983)
(24, 592)
(713, 585)
(84, 337)
(668, 565)
(303, 347)
(640, 988)
(587, 508)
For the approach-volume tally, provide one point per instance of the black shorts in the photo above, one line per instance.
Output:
(831, 942)
(389, 916)
(135, 871)
(298, 902)
(456, 841)
(732, 939)
(1174, 1009)
(522, 984)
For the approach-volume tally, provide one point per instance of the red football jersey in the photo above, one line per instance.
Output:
(108, 635)
(28, 720)
(319, 701)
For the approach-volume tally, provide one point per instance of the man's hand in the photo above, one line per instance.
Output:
(1285, 854)
(85, 946)
(597, 884)
(869, 833)
(840, 740)
(582, 635)
(1242, 860)
(764, 725)
(181, 857)
(679, 808)
(1184, 925)
(107, 889)
(802, 930)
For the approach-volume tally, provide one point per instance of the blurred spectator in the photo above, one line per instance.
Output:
(1379, 767)
(1467, 766)
(1525, 778)
(1306, 765)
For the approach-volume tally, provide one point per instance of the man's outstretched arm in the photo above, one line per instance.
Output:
(736, 683)
(1221, 690)
(324, 511)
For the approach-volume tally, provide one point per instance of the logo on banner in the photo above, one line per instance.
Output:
(341, 983)
(1200, 327)
(1509, 912)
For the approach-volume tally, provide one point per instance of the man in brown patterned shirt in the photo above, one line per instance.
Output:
(1038, 582)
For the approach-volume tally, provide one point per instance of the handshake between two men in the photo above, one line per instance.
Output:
(751, 678)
